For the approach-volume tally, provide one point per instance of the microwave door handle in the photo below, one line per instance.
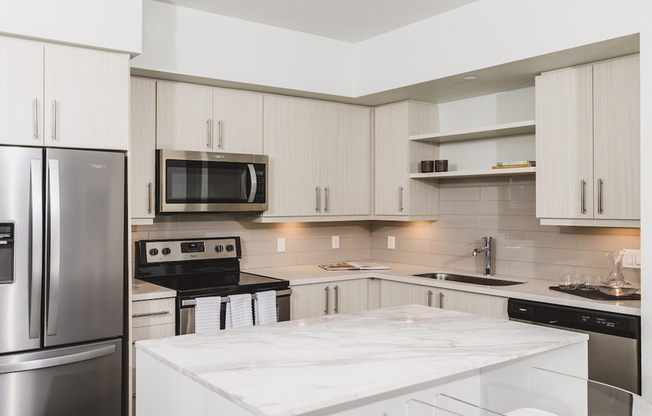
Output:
(254, 182)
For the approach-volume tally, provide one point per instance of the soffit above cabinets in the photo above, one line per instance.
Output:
(345, 20)
(507, 77)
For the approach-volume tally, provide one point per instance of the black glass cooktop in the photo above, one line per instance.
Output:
(222, 284)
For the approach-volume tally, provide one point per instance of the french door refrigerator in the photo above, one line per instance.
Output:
(62, 221)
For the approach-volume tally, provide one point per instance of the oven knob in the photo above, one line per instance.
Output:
(166, 251)
(229, 248)
(219, 249)
(153, 252)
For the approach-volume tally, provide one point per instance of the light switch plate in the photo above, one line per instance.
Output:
(336, 241)
(391, 242)
(632, 259)
(280, 245)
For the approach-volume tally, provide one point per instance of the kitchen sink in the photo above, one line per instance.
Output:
(475, 280)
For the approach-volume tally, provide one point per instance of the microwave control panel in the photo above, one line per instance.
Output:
(262, 186)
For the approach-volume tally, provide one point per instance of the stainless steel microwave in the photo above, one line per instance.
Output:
(210, 182)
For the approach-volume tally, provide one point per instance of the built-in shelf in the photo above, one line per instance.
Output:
(501, 130)
(474, 173)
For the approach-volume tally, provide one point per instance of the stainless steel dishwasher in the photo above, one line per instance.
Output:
(614, 339)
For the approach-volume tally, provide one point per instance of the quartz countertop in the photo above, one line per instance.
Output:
(293, 367)
(141, 290)
(534, 290)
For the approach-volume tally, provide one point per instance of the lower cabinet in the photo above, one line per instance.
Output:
(319, 299)
(152, 318)
(398, 294)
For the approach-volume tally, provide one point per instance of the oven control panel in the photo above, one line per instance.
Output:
(186, 250)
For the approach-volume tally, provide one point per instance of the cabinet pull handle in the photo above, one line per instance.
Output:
(582, 188)
(140, 315)
(337, 299)
(599, 196)
(35, 118)
(326, 308)
(326, 199)
(441, 300)
(219, 136)
(400, 198)
(430, 298)
(54, 120)
(210, 133)
(149, 196)
(317, 189)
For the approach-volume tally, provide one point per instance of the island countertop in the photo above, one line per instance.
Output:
(293, 367)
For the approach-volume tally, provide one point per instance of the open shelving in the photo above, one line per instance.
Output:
(500, 130)
(474, 173)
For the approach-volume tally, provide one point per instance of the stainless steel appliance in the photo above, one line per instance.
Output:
(614, 339)
(210, 182)
(61, 281)
(203, 267)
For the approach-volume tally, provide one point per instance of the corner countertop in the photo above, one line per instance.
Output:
(141, 290)
(294, 367)
(536, 290)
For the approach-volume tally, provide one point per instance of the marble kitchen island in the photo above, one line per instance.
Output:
(367, 363)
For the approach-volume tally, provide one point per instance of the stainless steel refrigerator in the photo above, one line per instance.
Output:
(62, 233)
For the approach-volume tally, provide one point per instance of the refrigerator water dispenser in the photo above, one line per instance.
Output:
(6, 252)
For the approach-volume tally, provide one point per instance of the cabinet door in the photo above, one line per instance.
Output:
(292, 132)
(143, 147)
(391, 165)
(184, 116)
(21, 92)
(238, 121)
(564, 142)
(349, 296)
(475, 303)
(398, 294)
(346, 159)
(86, 98)
(309, 301)
(616, 139)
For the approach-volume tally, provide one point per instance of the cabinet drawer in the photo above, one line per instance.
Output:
(152, 312)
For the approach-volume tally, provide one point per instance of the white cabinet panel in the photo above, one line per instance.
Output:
(143, 147)
(21, 92)
(86, 98)
(309, 301)
(237, 121)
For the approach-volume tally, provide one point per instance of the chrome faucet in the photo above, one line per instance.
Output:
(487, 250)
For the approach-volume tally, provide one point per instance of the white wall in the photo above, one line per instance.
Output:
(185, 41)
(488, 33)
(105, 24)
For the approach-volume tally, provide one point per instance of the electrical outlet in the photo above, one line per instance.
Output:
(632, 259)
(336, 241)
(280, 245)
(391, 242)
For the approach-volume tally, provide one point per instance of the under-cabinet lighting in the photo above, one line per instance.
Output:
(470, 77)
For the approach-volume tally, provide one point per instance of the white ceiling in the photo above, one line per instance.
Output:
(346, 20)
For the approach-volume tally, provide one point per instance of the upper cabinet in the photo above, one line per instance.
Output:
(319, 159)
(143, 149)
(588, 143)
(396, 196)
(199, 118)
(60, 96)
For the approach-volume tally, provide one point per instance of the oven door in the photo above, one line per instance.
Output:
(210, 182)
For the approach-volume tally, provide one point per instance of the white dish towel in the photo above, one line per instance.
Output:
(238, 311)
(207, 314)
(265, 307)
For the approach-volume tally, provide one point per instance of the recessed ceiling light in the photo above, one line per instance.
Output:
(471, 77)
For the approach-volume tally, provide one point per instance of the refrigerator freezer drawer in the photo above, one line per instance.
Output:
(82, 380)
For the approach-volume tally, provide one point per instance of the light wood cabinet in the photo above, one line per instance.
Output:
(237, 121)
(143, 148)
(309, 301)
(319, 158)
(475, 303)
(398, 294)
(588, 143)
(396, 195)
(61, 96)
(21, 92)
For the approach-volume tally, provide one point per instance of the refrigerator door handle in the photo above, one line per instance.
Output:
(54, 207)
(36, 247)
(56, 361)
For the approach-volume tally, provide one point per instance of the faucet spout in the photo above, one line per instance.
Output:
(487, 250)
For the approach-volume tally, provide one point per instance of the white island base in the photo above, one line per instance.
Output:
(369, 363)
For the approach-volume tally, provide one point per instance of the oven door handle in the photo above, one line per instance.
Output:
(193, 302)
(254, 182)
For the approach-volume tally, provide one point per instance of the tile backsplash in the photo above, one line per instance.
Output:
(503, 208)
